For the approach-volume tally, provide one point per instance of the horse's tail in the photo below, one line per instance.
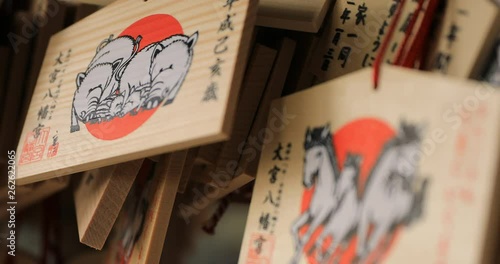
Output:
(418, 202)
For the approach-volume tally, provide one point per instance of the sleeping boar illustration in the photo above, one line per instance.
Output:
(121, 80)
(99, 82)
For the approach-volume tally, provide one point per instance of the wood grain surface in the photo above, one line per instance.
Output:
(453, 181)
(466, 38)
(188, 121)
(292, 14)
(254, 84)
(157, 200)
(99, 198)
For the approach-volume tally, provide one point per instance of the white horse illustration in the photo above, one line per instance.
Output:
(389, 199)
(320, 170)
(343, 222)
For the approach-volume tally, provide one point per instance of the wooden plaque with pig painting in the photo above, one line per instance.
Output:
(404, 174)
(135, 79)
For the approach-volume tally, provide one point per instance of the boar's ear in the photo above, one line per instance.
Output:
(157, 49)
(119, 70)
(79, 79)
(104, 43)
(116, 63)
(192, 40)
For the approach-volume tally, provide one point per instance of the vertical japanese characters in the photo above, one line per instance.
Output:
(343, 51)
(37, 140)
(220, 48)
(444, 55)
(460, 191)
(262, 242)
(354, 34)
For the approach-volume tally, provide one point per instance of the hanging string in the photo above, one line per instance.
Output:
(211, 224)
(385, 44)
(408, 58)
(402, 55)
(416, 52)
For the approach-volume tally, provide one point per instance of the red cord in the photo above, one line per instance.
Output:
(385, 44)
(400, 58)
(417, 50)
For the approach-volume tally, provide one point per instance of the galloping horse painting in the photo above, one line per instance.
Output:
(346, 211)
(340, 224)
(321, 170)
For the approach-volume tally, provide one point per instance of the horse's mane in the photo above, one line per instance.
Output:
(317, 139)
(408, 133)
(353, 160)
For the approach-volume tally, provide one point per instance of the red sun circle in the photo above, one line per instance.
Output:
(365, 137)
(152, 29)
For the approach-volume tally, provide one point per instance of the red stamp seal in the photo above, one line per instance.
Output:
(260, 249)
(34, 145)
(52, 152)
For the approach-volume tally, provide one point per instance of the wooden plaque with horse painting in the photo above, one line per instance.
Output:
(404, 174)
(135, 79)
